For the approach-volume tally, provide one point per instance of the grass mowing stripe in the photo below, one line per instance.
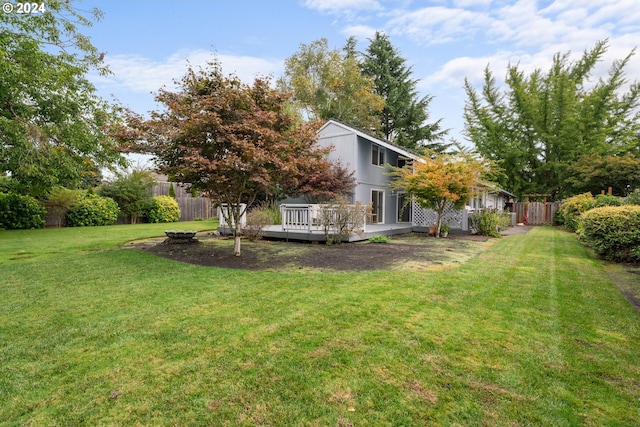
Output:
(531, 332)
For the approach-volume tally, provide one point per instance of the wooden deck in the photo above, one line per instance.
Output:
(276, 232)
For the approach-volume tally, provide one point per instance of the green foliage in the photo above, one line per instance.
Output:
(131, 190)
(613, 232)
(596, 172)
(605, 200)
(20, 212)
(403, 120)
(569, 212)
(9, 185)
(379, 239)
(90, 209)
(328, 84)
(442, 179)
(58, 202)
(545, 122)
(55, 130)
(633, 198)
(172, 191)
(229, 140)
(162, 209)
(486, 222)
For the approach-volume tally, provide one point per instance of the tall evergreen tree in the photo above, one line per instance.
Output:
(403, 120)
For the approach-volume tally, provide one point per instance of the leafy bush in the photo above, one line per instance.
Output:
(569, 212)
(59, 200)
(633, 198)
(162, 209)
(90, 209)
(379, 239)
(605, 200)
(613, 232)
(486, 222)
(131, 190)
(20, 212)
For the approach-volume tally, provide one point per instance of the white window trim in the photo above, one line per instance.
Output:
(379, 190)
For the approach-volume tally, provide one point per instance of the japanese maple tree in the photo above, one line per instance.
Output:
(439, 179)
(229, 140)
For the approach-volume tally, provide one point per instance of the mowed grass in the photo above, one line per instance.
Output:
(530, 332)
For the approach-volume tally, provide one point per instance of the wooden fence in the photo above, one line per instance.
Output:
(535, 213)
(191, 208)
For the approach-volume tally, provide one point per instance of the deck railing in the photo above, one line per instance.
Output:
(321, 218)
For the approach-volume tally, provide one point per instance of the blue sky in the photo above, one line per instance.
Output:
(148, 42)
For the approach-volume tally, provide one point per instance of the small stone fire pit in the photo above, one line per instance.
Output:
(180, 236)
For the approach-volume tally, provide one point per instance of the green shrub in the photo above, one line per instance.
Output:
(162, 209)
(633, 198)
(486, 222)
(379, 239)
(90, 209)
(613, 232)
(59, 200)
(605, 200)
(569, 212)
(20, 212)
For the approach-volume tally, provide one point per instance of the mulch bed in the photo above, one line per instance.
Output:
(274, 255)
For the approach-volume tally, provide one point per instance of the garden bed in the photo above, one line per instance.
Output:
(405, 252)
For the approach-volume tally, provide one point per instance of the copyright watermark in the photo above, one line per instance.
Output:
(24, 8)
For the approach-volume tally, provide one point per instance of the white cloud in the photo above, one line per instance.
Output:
(140, 74)
(361, 32)
(437, 25)
(334, 6)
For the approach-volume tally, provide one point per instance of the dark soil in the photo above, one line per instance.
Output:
(403, 252)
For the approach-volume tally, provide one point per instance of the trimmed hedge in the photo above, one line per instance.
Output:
(21, 212)
(91, 209)
(613, 232)
(162, 209)
(571, 209)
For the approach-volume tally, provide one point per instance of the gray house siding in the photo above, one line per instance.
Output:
(354, 151)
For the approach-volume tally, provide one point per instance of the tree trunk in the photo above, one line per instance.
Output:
(236, 245)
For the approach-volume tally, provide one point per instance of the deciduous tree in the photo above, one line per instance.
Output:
(131, 190)
(328, 84)
(229, 140)
(544, 122)
(442, 179)
(323, 182)
(53, 127)
(594, 173)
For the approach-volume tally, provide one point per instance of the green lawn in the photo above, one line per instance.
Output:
(530, 332)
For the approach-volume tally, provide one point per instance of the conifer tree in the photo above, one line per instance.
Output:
(403, 120)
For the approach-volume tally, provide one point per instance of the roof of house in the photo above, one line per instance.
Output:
(382, 142)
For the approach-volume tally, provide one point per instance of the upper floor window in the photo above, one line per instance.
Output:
(377, 155)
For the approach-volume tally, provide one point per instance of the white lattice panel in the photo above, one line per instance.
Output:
(426, 217)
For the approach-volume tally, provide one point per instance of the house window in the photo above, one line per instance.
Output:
(402, 162)
(377, 206)
(377, 155)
